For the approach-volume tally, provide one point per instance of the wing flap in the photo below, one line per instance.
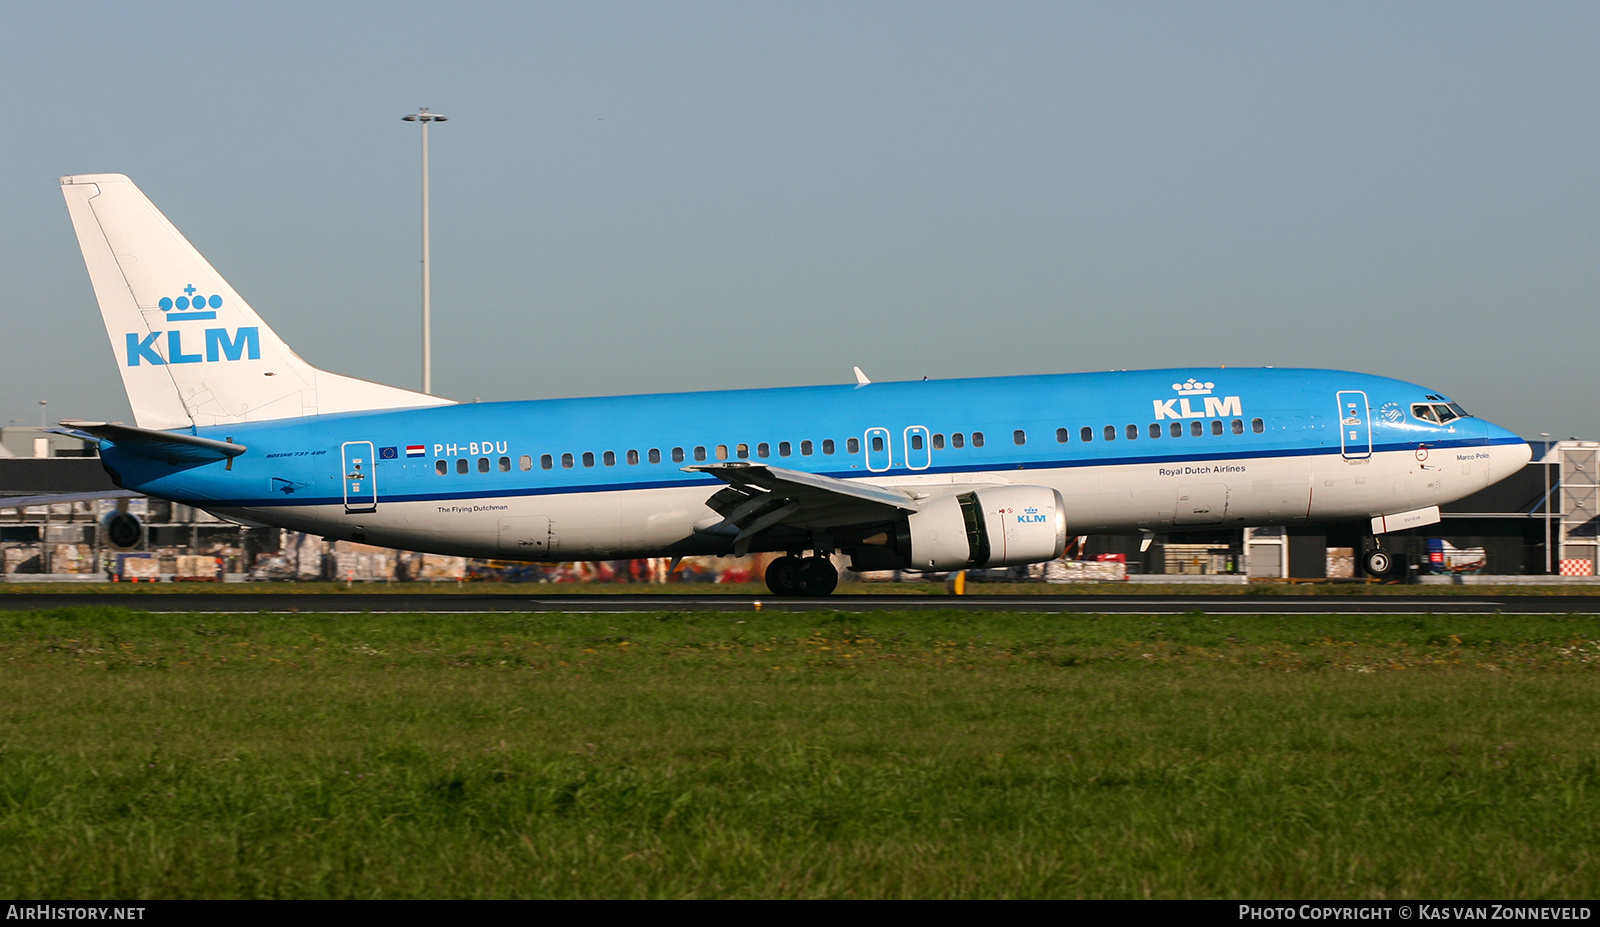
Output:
(793, 482)
(760, 498)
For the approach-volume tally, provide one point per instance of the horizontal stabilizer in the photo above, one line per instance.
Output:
(166, 446)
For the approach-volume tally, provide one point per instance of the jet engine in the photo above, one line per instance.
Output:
(993, 527)
(122, 528)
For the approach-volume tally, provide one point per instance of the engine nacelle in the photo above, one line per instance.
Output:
(1022, 524)
(994, 527)
(122, 529)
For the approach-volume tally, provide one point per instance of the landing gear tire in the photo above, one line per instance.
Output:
(817, 576)
(1380, 563)
(783, 576)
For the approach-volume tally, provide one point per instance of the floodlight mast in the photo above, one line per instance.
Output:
(423, 116)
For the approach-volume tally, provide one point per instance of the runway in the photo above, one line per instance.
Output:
(455, 603)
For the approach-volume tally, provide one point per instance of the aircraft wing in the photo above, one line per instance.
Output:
(759, 498)
(57, 498)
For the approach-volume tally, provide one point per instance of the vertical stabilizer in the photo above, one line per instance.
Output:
(191, 351)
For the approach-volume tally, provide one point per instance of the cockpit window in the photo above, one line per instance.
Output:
(1438, 412)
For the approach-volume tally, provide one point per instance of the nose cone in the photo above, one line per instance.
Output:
(1508, 452)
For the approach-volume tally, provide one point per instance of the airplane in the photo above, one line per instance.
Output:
(929, 475)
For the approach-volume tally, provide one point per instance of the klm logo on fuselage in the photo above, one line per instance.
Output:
(221, 344)
(1182, 406)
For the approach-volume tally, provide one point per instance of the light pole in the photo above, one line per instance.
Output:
(1544, 464)
(423, 116)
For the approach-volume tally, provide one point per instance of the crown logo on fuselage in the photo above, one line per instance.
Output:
(1214, 407)
(190, 307)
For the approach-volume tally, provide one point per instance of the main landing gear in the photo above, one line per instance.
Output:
(793, 575)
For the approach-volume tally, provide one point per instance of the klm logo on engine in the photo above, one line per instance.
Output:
(1182, 405)
(1031, 516)
(221, 344)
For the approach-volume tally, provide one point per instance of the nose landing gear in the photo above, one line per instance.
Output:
(1382, 564)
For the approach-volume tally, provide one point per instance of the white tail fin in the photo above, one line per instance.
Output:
(192, 352)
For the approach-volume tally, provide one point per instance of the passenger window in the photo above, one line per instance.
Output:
(610, 458)
(1216, 428)
(763, 450)
(633, 457)
(805, 448)
(588, 458)
(1238, 426)
(938, 442)
(1155, 429)
(442, 466)
(1132, 431)
(1019, 437)
(461, 464)
(505, 465)
(827, 446)
(1111, 432)
(483, 465)
(853, 445)
(1196, 429)
(1086, 434)
(784, 449)
(700, 452)
(1061, 436)
(566, 461)
(1175, 429)
(677, 455)
(546, 462)
(958, 440)
(1257, 425)
(655, 454)
(744, 451)
(722, 452)
(977, 439)
(525, 462)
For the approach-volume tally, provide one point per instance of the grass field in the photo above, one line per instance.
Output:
(880, 755)
(845, 590)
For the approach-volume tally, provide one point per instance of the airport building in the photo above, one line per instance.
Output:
(1539, 522)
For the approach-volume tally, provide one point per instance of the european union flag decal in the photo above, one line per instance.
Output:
(387, 453)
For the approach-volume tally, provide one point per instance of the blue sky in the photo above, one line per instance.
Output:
(633, 197)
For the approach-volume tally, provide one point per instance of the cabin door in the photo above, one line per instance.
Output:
(360, 477)
(1355, 425)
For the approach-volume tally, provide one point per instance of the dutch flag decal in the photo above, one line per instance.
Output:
(416, 450)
